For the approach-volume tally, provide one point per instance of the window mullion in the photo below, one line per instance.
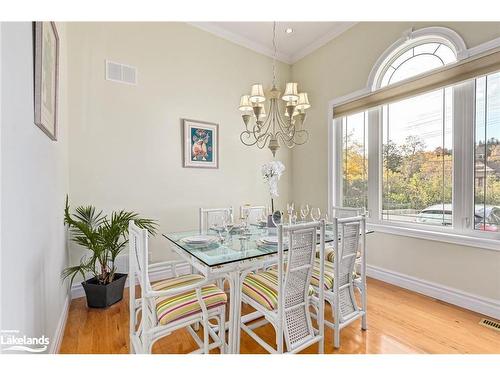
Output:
(337, 167)
(374, 163)
(463, 156)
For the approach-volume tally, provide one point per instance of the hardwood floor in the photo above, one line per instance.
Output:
(399, 321)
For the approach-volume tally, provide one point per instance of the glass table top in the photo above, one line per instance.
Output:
(236, 247)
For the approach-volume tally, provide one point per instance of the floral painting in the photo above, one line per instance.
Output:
(200, 144)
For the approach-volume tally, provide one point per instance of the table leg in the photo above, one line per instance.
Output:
(234, 312)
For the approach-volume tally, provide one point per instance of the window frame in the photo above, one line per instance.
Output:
(462, 231)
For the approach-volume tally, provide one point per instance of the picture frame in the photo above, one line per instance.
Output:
(200, 144)
(46, 59)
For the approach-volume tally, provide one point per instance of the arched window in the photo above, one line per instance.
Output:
(416, 53)
(415, 60)
(422, 160)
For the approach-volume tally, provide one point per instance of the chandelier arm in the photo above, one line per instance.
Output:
(283, 126)
(245, 137)
(264, 140)
(306, 137)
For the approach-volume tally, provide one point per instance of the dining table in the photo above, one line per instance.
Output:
(231, 257)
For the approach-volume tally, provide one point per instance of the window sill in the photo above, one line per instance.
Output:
(441, 236)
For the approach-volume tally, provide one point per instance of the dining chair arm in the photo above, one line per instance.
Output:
(175, 291)
(167, 265)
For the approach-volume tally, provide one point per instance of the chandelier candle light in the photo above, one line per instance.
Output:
(284, 122)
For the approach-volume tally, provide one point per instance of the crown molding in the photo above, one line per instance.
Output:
(212, 28)
(240, 40)
(318, 43)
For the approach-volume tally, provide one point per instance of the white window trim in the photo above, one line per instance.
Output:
(462, 232)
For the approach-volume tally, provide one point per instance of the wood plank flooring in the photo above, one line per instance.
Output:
(399, 321)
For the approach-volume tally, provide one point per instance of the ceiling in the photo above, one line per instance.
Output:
(257, 36)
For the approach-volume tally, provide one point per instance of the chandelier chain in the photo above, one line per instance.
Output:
(274, 53)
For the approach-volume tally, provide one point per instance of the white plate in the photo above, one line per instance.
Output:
(197, 240)
(272, 240)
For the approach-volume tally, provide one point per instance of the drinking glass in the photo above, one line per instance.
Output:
(315, 214)
(244, 220)
(228, 223)
(304, 211)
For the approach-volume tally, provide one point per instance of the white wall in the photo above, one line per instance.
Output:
(125, 141)
(33, 188)
(341, 67)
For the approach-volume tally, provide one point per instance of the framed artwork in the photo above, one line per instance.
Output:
(46, 77)
(200, 144)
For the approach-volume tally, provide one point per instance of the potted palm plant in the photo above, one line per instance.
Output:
(105, 237)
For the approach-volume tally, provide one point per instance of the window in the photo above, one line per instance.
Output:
(427, 163)
(418, 159)
(355, 161)
(487, 154)
(416, 59)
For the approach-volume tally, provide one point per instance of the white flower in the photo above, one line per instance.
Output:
(271, 172)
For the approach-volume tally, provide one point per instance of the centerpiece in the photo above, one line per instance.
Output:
(271, 173)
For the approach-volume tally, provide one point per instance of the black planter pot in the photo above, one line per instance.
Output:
(100, 296)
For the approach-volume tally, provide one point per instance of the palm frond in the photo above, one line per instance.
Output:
(104, 238)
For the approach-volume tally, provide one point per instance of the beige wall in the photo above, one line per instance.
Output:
(34, 183)
(341, 67)
(125, 141)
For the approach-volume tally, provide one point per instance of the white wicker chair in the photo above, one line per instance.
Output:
(360, 266)
(160, 305)
(209, 216)
(340, 295)
(290, 299)
(253, 213)
(344, 212)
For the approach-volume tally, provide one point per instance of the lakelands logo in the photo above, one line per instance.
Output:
(12, 340)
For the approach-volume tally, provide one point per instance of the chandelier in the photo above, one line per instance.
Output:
(284, 121)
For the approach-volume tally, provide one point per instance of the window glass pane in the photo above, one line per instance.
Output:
(355, 161)
(418, 60)
(401, 59)
(426, 48)
(417, 159)
(415, 66)
(487, 154)
(446, 54)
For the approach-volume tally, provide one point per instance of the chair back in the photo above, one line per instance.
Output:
(345, 212)
(210, 216)
(138, 256)
(294, 279)
(252, 213)
(348, 232)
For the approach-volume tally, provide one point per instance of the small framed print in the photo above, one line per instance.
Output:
(200, 144)
(46, 77)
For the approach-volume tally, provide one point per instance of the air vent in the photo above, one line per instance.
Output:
(122, 73)
(490, 324)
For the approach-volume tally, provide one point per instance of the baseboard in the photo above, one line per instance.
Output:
(55, 343)
(77, 289)
(482, 305)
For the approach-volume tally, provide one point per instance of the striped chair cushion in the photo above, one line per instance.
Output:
(169, 309)
(262, 287)
(328, 276)
(330, 253)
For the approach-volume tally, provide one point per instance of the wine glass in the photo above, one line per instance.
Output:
(290, 207)
(228, 222)
(244, 219)
(293, 218)
(315, 214)
(304, 211)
